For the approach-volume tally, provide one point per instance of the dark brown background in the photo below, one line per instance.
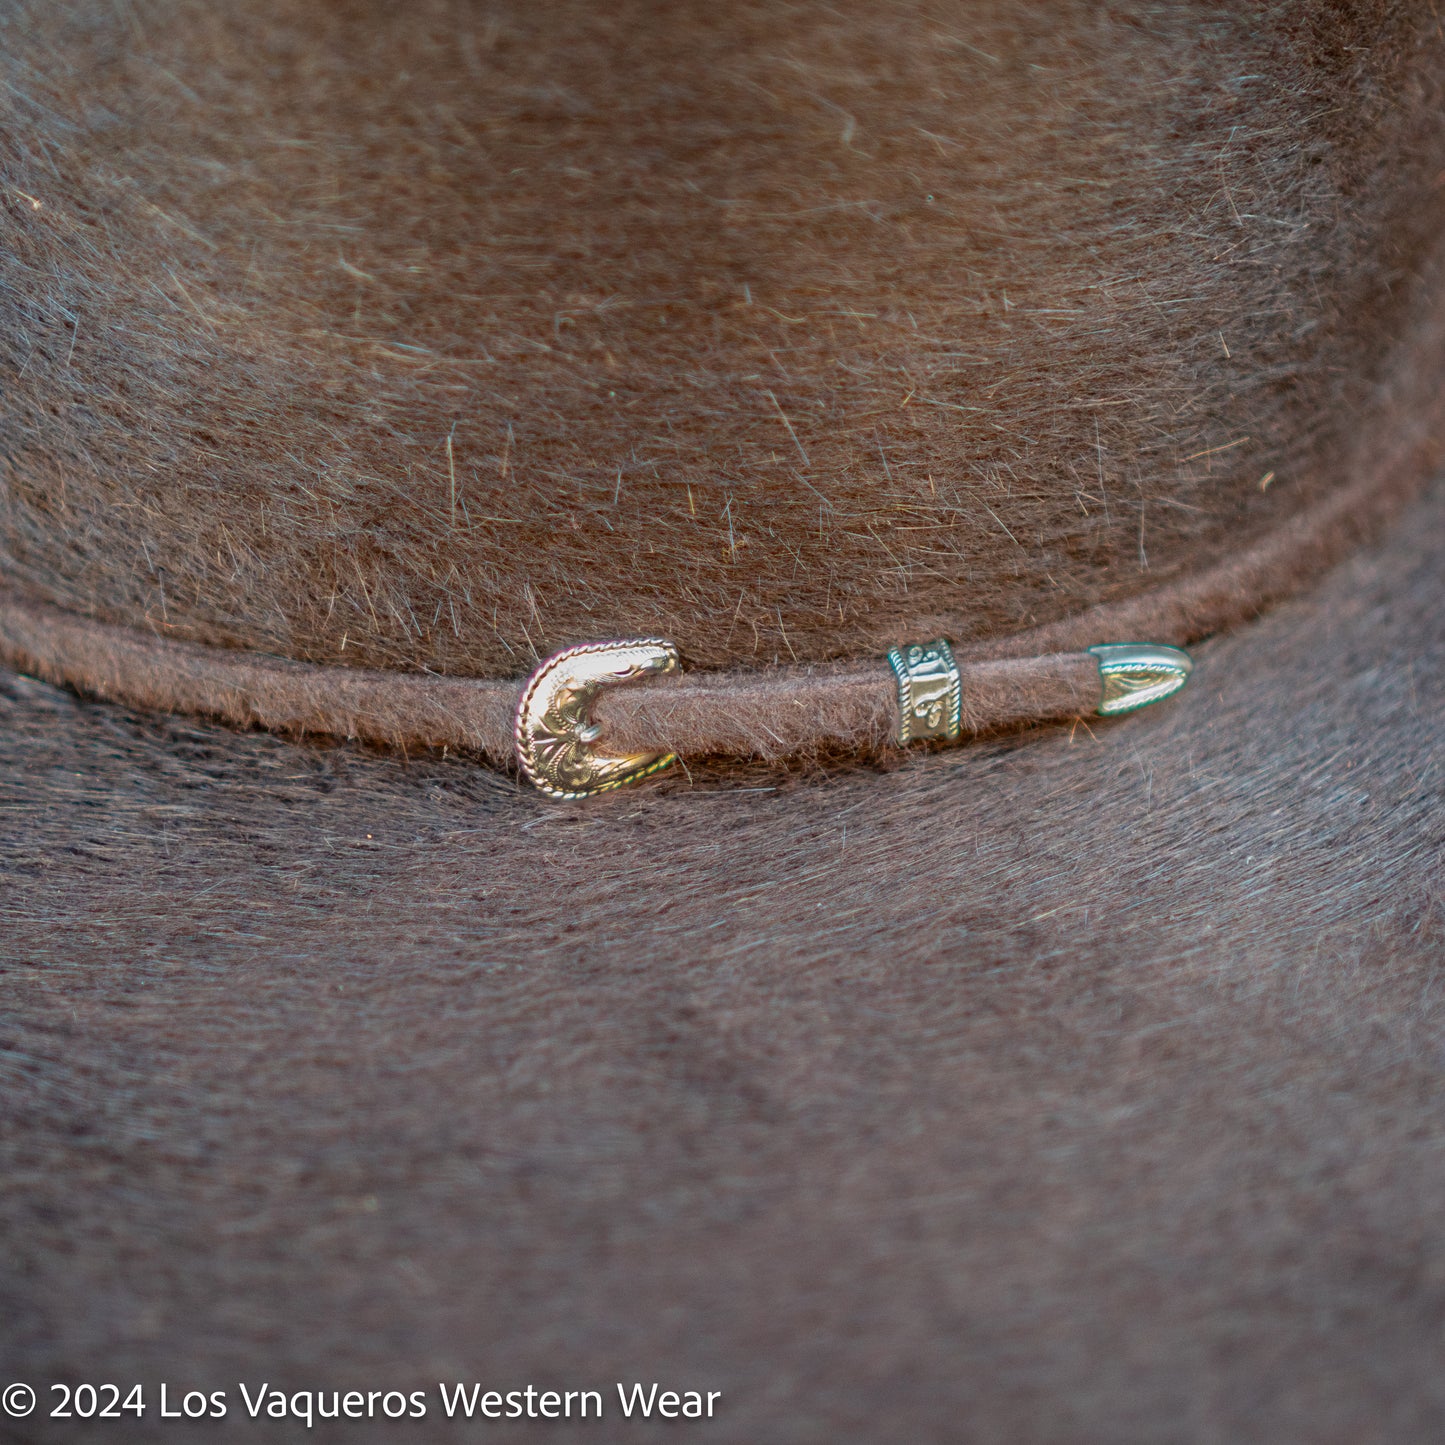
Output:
(1080, 1086)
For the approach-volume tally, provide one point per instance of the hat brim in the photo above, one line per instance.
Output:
(1082, 1085)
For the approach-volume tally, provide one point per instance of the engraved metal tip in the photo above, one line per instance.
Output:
(1134, 674)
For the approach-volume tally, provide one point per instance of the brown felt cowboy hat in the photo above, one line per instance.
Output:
(756, 424)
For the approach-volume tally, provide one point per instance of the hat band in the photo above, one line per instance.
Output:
(1043, 674)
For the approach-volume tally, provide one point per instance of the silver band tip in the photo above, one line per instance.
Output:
(1134, 674)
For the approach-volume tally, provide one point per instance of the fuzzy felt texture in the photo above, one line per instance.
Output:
(775, 713)
(1083, 1088)
(436, 336)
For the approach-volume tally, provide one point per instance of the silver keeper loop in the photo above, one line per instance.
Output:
(930, 692)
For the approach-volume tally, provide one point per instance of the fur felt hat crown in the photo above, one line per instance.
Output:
(356, 360)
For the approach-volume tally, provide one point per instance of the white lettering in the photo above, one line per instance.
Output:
(642, 1401)
(464, 1400)
(637, 1401)
(582, 1397)
(253, 1408)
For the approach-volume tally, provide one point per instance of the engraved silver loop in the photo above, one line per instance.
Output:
(1134, 674)
(930, 691)
(555, 731)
